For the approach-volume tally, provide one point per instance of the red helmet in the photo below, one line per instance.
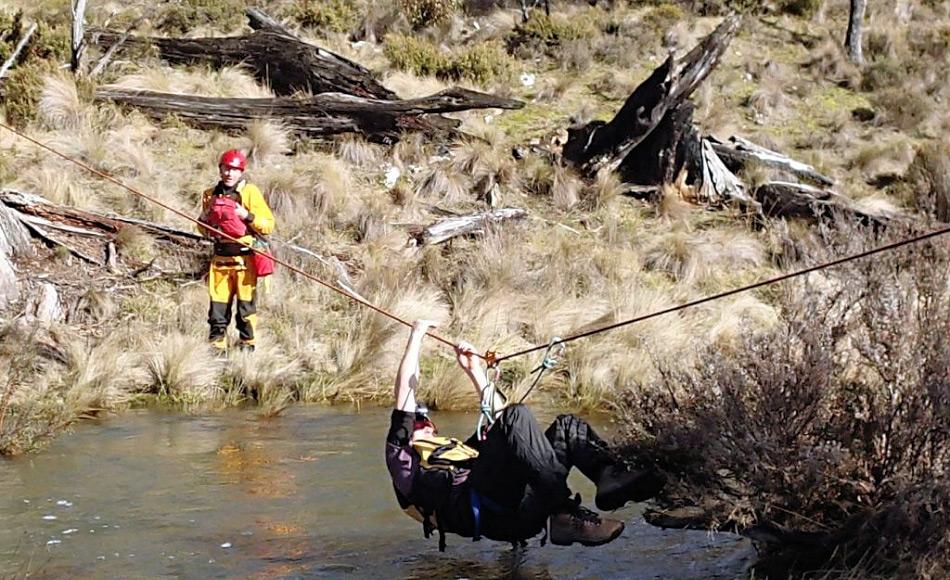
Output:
(233, 158)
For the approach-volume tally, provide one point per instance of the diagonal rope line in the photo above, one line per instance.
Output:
(210, 228)
(712, 297)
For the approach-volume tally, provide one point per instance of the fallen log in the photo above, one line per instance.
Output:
(83, 222)
(600, 144)
(285, 63)
(446, 229)
(317, 116)
(786, 199)
(737, 153)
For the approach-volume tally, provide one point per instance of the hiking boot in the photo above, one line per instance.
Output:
(581, 525)
(616, 486)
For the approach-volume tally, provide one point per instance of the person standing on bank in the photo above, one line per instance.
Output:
(237, 208)
(508, 482)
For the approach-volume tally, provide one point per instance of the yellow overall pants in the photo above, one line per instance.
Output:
(230, 279)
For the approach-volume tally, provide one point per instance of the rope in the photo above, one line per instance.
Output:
(210, 228)
(720, 295)
(547, 363)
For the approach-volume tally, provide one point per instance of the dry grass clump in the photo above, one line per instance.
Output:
(135, 243)
(99, 377)
(926, 185)
(234, 82)
(57, 182)
(45, 387)
(269, 375)
(847, 400)
(59, 106)
(269, 142)
(359, 152)
(182, 369)
(443, 183)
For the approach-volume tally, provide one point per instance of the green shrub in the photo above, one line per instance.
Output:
(663, 17)
(415, 55)
(423, 13)
(180, 17)
(803, 8)
(883, 73)
(21, 91)
(548, 31)
(331, 15)
(480, 63)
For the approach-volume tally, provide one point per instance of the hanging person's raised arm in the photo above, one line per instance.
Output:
(407, 377)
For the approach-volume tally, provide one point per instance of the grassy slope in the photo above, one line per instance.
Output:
(586, 256)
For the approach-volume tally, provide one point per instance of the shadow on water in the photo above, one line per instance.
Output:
(151, 494)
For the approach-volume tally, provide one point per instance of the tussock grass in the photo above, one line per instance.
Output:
(58, 183)
(225, 82)
(441, 183)
(59, 106)
(269, 375)
(100, 377)
(182, 369)
(358, 152)
(269, 142)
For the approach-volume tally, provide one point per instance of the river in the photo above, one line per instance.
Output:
(150, 494)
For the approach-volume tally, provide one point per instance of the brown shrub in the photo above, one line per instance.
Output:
(833, 428)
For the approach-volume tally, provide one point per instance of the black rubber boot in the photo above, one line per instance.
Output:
(616, 486)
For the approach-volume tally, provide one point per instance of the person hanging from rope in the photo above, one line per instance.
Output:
(237, 208)
(508, 482)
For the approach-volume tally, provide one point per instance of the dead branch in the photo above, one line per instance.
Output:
(8, 64)
(476, 223)
(737, 153)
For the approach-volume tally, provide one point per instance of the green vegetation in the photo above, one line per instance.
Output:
(481, 63)
(332, 15)
(186, 15)
(423, 13)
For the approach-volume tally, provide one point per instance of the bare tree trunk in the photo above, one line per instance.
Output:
(78, 42)
(855, 23)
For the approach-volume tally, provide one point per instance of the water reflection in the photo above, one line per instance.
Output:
(306, 495)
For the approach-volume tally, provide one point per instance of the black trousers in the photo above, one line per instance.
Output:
(523, 470)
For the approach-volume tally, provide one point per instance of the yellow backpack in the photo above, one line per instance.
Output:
(444, 452)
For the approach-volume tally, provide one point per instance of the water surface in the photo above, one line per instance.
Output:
(154, 495)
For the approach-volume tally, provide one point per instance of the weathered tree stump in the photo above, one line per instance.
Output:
(606, 145)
